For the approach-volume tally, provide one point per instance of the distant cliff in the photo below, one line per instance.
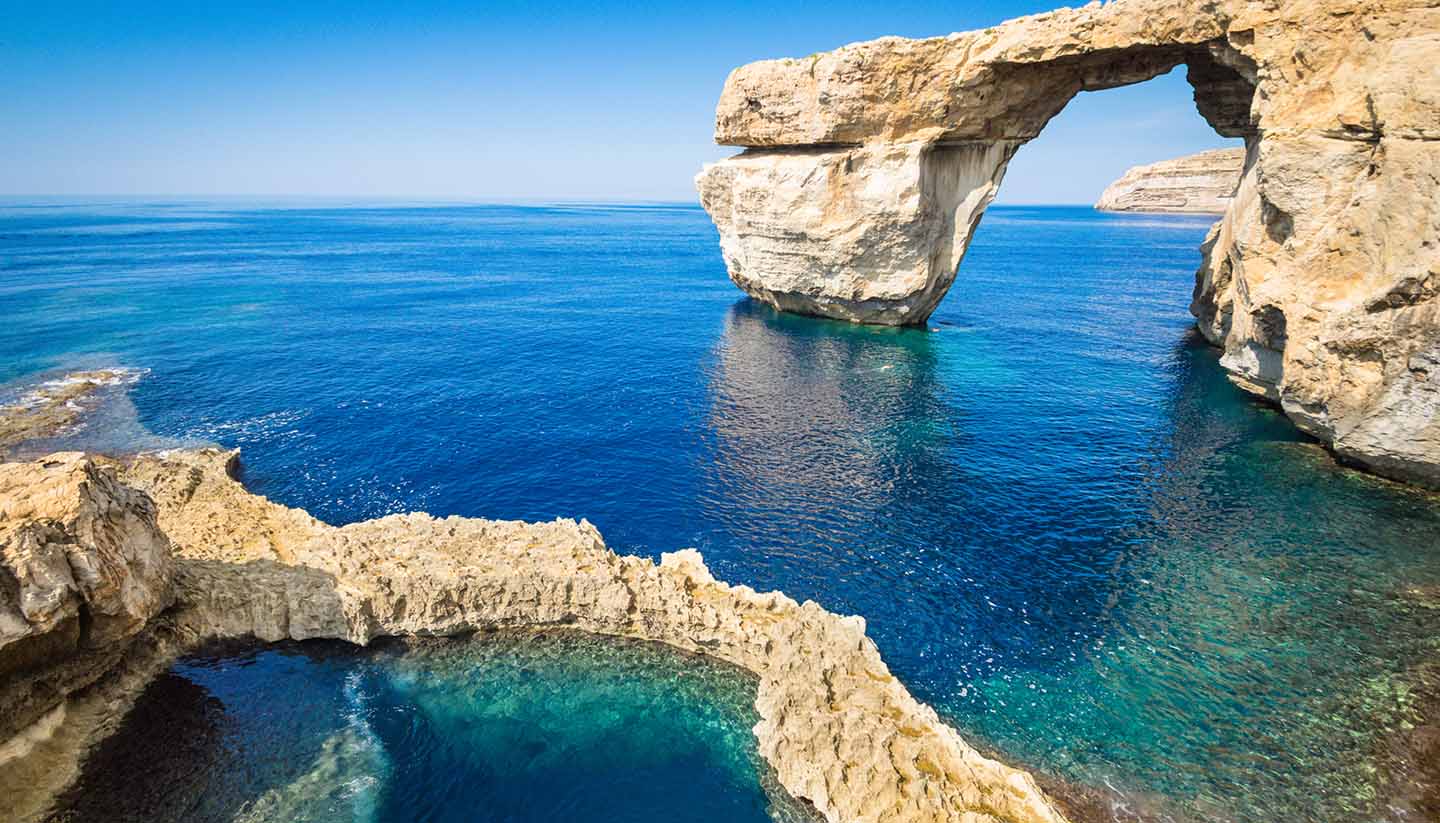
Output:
(1201, 183)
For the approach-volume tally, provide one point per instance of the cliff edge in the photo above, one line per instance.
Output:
(1202, 183)
(175, 532)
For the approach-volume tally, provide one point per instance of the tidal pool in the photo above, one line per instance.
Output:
(500, 727)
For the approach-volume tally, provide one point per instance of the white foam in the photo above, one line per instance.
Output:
(43, 393)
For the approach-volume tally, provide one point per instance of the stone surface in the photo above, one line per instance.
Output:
(839, 729)
(872, 233)
(1322, 281)
(83, 567)
(1201, 183)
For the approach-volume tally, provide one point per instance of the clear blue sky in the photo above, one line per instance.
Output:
(601, 100)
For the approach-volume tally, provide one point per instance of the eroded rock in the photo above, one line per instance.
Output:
(83, 567)
(1201, 183)
(1319, 283)
(870, 234)
(839, 729)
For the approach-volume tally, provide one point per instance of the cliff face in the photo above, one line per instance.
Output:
(839, 729)
(83, 567)
(1201, 183)
(1322, 281)
(871, 234)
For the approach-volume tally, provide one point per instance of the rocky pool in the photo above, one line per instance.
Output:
(509, 726)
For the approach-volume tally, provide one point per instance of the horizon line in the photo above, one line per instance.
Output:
(479, 200)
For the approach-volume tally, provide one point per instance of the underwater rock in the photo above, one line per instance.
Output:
(55, 405)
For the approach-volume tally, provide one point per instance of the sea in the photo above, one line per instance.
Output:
(1065, 529)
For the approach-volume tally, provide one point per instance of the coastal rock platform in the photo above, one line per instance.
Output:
(179, 532)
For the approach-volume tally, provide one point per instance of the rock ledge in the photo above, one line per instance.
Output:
(839, 729)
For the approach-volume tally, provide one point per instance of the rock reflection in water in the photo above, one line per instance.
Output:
(840, 465)
(1158, 614)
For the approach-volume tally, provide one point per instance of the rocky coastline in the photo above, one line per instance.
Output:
(865, 171)
(56, 406)
(863, 177)
(1202, 183)
(121, 565)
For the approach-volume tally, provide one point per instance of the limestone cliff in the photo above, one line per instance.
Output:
(866, 169)
(83, 567)
(1201, 183)
(839, 729)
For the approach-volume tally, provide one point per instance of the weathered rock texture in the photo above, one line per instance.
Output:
(1201, 183)
(872, 234)
(1321, 281)
(83, 567)
(839, 729)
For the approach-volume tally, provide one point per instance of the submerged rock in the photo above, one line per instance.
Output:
(55, 406)
(838, 728)
(1201, 183)
(1321, 283)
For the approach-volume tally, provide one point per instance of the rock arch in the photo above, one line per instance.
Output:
(867, 168)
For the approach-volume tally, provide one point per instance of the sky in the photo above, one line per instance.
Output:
(466, 100)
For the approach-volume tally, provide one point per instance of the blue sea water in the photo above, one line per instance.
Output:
(550, 726)
(1065, 528)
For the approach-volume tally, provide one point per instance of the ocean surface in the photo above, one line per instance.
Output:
(1066, 530)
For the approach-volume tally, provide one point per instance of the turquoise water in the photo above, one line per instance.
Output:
(556, 726)
(1066, 530)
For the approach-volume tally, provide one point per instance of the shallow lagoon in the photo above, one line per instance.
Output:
(1066, 530)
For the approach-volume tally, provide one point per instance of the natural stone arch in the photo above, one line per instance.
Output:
(866, 170)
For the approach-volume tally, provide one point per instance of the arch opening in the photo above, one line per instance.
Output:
(1335, 210)
(841, 223)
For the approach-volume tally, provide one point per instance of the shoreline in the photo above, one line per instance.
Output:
(217, 525)
(840, 731)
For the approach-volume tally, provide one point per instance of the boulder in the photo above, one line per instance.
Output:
(83, 567)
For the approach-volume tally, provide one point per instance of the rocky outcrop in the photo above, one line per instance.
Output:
(1201, 183)
(55, 406)
(83, 567)
(1321, 281)
(839, 729)
(870, 234)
